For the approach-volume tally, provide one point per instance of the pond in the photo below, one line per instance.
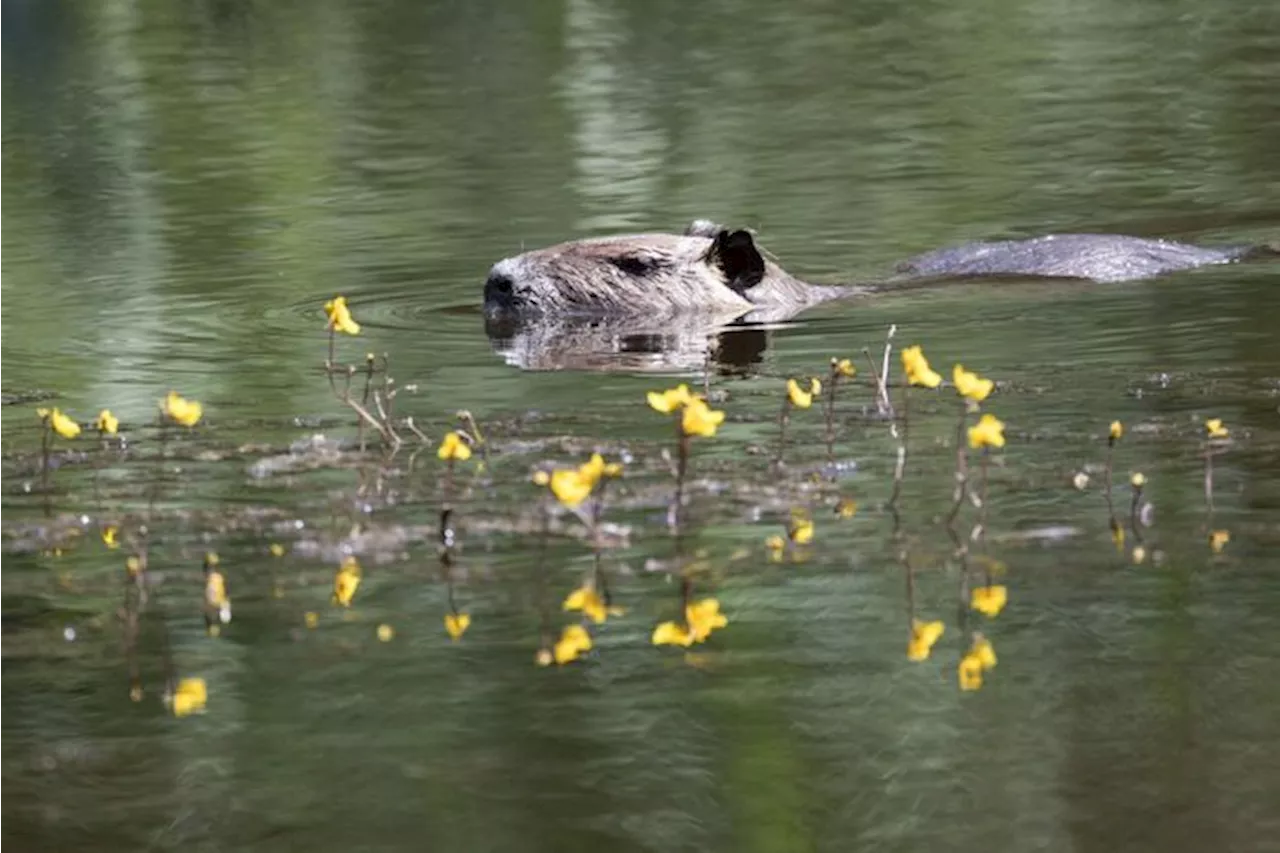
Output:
(187, 185)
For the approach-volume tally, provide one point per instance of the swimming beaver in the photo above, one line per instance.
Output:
(710, 269)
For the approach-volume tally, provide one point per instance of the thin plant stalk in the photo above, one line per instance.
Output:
(900, 467)
(784, 418)
(962, 467)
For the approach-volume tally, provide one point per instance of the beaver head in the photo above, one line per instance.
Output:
(708, 268)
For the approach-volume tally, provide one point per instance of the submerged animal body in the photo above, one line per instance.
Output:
(1100, 257)
(680, 302)
(712, 270)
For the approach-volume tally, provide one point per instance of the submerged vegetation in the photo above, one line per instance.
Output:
(576, 500)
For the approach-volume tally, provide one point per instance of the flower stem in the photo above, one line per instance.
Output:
(45, 431)
(900, 467)
(682, 465)
(962, 467)
(831, 416)
(1208, 478)
(784, 418)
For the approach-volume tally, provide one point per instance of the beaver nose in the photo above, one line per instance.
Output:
(499, 289)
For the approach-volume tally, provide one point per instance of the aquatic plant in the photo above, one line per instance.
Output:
(798, 396)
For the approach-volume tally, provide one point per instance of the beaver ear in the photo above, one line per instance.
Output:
(736, 254)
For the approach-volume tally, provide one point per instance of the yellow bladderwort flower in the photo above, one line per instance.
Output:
(1117, 536)
(844, 367)
(181, 410)
(917, 368)
(591, 603)
(189, 696)
(672, 634)
(456, 624)
(800, 531)
(109, 534)
(1213, 427)
(1116, 432)
(59, 423)
(670, 400)
(215, 590)
(346, 581)
(570, 487)
(700, 419)
(703, 617)
(984, 652)
(923, 637)
(970, 672)
(987, 432)
(989, 600)
(1138, 479)
(276, 549)
(574, 640)
(801, 398)
(970, 385)
(340, 316)
(454, 446)
(847, 508)
(107, 423)
(1218, 540)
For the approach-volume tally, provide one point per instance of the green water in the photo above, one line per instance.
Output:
(184, 185)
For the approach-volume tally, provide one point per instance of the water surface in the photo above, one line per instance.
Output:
(185, 185)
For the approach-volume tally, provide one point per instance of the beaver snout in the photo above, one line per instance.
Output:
(501, 291)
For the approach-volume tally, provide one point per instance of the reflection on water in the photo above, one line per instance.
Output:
(184, 186)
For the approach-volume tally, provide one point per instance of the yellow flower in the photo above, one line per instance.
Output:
(311, 618)
(570, 487)
(386, 633)
(1213, 427)
(346, 582)
(801, 398)
(989, 600)
(672, 634)
(592, 605)
(970, 672)
(276, 549)
(107, 423)
(133, 565)
(574, 640)
(801, 530)
(453, 446)
(847, 508)
(340, 316)
(189, 696)
(775, 543)
(987, 432)
(703, 617)
(215, 594)
(59, 423)
(923, 636)
(843, 367)
(971, 385)
(1117, 431)
(456, 624)
(984, 652)
(1117, 535)
(180, 410)
(1218, 540)
(917, 368)
(1138, 479)
(670, 400)
(109, 536)
(700, 419)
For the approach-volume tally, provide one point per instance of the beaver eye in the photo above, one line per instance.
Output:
(637, 265)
